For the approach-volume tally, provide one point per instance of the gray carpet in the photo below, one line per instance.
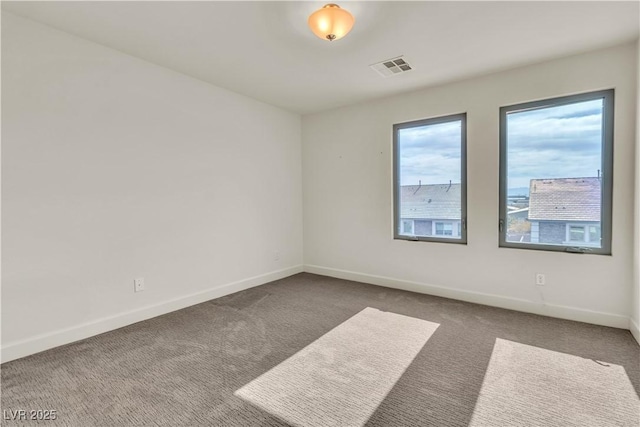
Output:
(183, 368)
(341, 378)
(527, 385)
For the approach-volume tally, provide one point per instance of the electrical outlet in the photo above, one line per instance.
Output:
(276, 256)
(138, 284)
(540, 279)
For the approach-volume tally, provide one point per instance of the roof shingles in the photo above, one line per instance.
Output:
(435, 201)
(565, 199)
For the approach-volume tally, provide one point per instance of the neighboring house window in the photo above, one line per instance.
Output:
(430, 193)
(444, 229)
(556, 170)
(447, 228)
(582, 234)
(407, 227)
(576, 233)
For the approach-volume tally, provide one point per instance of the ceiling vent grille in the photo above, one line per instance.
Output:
(391, 67)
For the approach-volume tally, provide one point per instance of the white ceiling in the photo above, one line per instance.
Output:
(265, 50)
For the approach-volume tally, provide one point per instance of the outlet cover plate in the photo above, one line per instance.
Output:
(138, 284)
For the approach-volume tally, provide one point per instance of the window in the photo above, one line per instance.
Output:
(430, 194)
(576, 233)
(407, 227)
(449, 228)
(443, 228)
(556, 169)
(586, 235)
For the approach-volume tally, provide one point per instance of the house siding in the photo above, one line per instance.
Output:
(422, 228)
(552, 232)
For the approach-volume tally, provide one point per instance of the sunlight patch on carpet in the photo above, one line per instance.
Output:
(342, 377)
(532, 386)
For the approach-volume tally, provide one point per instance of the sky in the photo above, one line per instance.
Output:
(558, 142)
(430, 153)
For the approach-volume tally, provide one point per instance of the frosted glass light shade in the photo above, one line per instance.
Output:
(331, 22)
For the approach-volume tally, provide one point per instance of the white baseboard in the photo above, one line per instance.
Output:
(26, 347)
(562, 312)
(635, 329)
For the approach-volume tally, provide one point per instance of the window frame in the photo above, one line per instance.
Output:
(606, 197)
(462, 239)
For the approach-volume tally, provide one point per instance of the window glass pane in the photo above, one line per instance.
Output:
(576, 234)
(429, 175)
(594, 234)
(444, 229)
(554, 173)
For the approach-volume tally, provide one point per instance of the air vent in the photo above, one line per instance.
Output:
(392, 66)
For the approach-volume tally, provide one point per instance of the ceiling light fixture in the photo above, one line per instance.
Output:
(331, 22)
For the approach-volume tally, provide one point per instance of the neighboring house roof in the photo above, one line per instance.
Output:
(518, 212)
(565, 199)
(435, 201)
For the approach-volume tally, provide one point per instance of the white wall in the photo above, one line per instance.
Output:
(634, 323)
(114, 168)
(347, 196)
